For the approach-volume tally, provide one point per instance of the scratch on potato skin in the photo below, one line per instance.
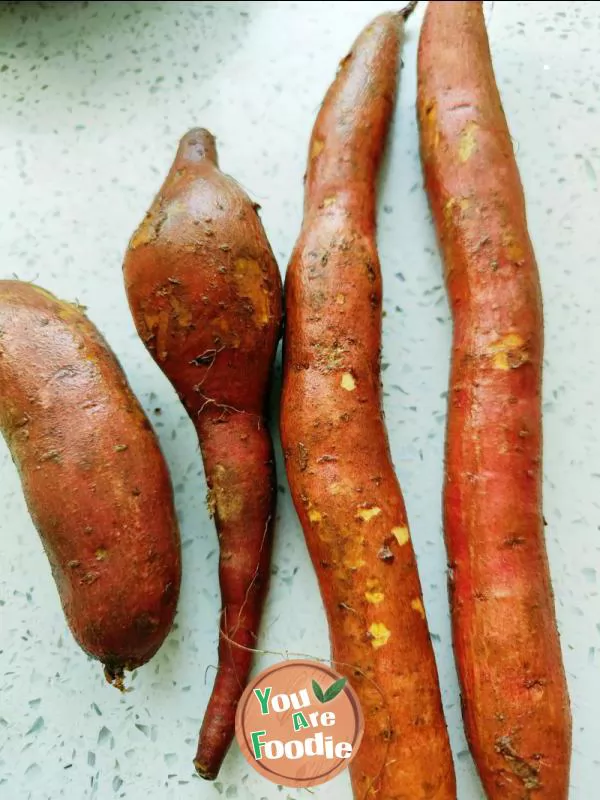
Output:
(345, 490)
(205, 293)
(515, 698)
(65, 410)
(528, 774)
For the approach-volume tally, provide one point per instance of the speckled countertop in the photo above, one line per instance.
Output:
(94, 97)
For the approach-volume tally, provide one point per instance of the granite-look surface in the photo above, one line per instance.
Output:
(93, 99)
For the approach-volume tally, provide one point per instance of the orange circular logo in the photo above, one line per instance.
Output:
(299, 723)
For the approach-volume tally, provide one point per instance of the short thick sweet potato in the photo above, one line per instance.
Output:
(94, 478)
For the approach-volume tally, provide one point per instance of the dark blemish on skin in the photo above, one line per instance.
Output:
(302, 457)
(514, 541)
(204, 359)
(371, 273)
(528, 774)
(533, 683)
(146, 623)
(386, 555)
(168, 592)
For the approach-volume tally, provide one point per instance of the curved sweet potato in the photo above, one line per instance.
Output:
(515, 700)
(94, 478)
(335, 442)
(205, 293)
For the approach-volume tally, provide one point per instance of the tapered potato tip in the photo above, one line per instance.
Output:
(203, 772)
(198, 144)
(115, 676)
(408, 9)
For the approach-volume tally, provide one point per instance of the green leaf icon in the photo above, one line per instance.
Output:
(331, 693)
(335, 689)
(318, 692)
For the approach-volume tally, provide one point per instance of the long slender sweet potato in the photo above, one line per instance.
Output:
(205, 293)
(94, 478)
(515, 702)
(335, 443)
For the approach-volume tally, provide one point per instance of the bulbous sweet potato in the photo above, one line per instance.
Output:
(205, 293)
(94, 478)
(335, 443)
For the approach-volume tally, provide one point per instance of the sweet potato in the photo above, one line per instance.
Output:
(205, 292)
(94, 478)
(515, 701)
(335, 443)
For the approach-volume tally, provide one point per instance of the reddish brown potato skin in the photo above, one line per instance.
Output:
(205, 292)
(94, 478)
(335, 443)
(515, 701)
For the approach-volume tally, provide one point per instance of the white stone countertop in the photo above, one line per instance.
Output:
(93, 99)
